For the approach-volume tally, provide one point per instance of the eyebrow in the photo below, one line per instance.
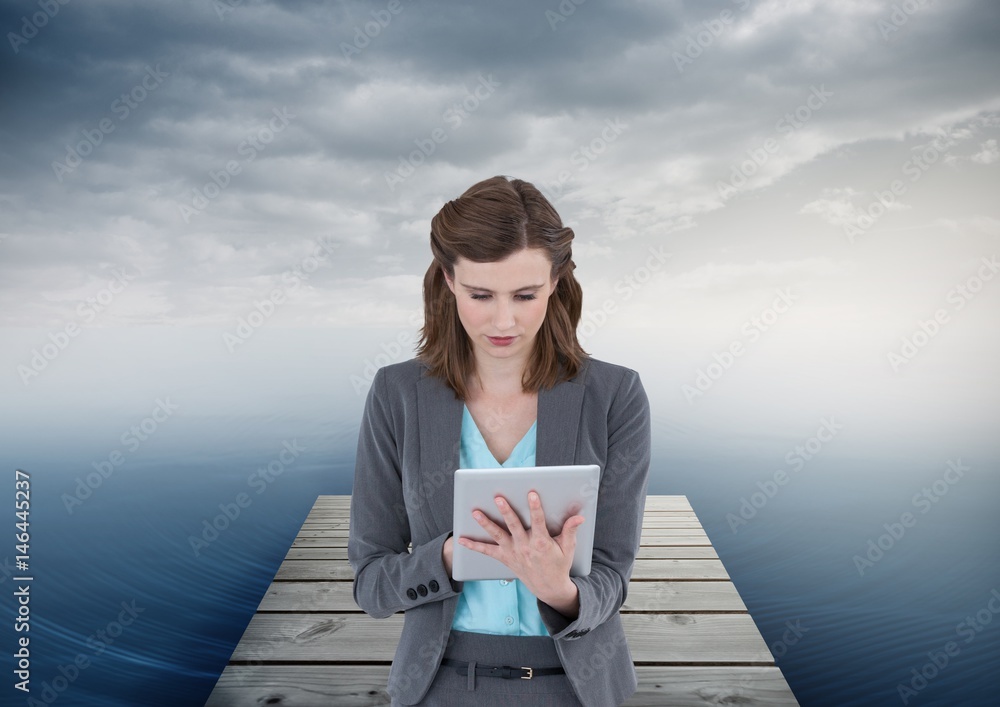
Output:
(483, 289)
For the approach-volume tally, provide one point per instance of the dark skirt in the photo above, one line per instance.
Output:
(449, 689)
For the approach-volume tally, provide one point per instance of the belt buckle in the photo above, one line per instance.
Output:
(530, 672)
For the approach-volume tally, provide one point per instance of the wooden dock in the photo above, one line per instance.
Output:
(691, 637)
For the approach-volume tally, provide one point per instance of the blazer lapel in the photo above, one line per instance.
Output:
(559, 411)
(439, 424)
(440, 429)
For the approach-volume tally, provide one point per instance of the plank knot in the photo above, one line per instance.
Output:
(320, 630)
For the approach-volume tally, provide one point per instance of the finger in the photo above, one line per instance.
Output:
(495, 531)
(514, 526)
(485, 548)
(537, 514)
(570, 527)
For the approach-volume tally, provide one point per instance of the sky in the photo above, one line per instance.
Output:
(214, 228)
(783, 210)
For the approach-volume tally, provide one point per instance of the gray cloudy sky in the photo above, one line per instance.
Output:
(750, 141)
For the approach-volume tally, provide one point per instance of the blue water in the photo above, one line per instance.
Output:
(859, 636)
(122, 562)
(856, 637)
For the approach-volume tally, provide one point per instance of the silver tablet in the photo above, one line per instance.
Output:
(564, 491)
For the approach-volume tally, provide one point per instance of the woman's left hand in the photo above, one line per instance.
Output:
(540, 561)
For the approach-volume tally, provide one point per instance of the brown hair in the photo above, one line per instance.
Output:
(492, 220)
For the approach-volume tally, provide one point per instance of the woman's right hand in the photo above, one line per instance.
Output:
(447, 553)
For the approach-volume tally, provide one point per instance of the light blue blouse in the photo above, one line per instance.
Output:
(496, 606)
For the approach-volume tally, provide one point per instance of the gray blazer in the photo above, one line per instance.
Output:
(408, 450)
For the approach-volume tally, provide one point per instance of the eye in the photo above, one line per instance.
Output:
(522, 298)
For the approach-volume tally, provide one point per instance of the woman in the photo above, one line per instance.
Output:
(502, 268)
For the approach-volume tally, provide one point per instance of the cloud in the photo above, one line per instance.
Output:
(358, 114)
(843, 206)
(988, 153)
(738, 275)
(836, 207)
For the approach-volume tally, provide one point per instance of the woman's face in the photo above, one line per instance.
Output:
(507, 298)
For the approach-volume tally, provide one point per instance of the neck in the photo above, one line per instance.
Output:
(499, 377)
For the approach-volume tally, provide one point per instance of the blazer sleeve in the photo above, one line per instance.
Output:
(621, 502)
(388, 578)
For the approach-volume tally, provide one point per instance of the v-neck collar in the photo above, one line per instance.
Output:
(517, 447)
(440, 413)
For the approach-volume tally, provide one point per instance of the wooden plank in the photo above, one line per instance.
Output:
(682, 597)
(699, 686)
(653, 503)
(326, 523)
(344, 512)
(644, 569)
(678, 552)
(652, 638)
(647, 542)
(688, 629)
(646, 532)
(654, 536)
(679, 597)
(364, 686)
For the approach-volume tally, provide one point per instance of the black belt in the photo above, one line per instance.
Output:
(501, 671)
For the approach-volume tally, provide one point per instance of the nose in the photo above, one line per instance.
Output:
(503, 316)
